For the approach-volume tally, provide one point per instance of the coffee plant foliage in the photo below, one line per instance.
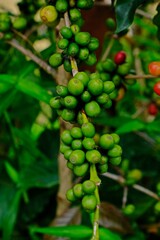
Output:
(111, 100)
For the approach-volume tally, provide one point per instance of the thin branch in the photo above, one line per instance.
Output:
(125, 196)
(108, 49)
(139, 76)
(144, 14)
(140, 188)
(40, 62)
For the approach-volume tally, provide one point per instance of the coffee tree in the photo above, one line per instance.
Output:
(80, 120)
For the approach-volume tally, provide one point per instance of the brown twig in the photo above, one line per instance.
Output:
(40, 62)
(138, 187)
(139, 76)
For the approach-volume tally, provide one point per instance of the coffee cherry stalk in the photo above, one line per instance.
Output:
(82, 99)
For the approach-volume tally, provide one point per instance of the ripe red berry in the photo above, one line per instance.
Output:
(156, 88)
(120, 57)
(152, 109)
(154, 68)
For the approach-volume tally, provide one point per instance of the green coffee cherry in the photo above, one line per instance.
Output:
(95, 75)
(117, 80)
(78, 190)
(85, 4)
(82, 76)
(80, 171)
(48, 14)
(106, 141)
(110, 23)
(61, 6)
(108, 87)
(75, 28)
(88, 143)
(75, 86)
(113, 94)
(157, 208)
(20, 23)
(88, 187)
(83, 53)
(123, 69)
(64, 147)
(86, 96)
(109, 65)
(102, 98)
(66, 137)
(105, 76)
(56, 60)
(108, 104)
(93, 44)
(115, 160)
(63, 43)
(75, 14)
(67, 154)
(61, 90)
(91, 60)
(66, 32)
(76, 132)
(76, 144)
(116, 137)
(135, 174)
(129, 209)
(116, 151)
(70, 102)
(70, 165)
(104, 160)
(92, 109)
(95, 86)
(88, 130)
(70, 195)
(93, 156)
(73, 49)
(67, 65)
(68, 115)
(89, 203)
(55, 102)
(77, 157)
(82, 38)
(103, 168)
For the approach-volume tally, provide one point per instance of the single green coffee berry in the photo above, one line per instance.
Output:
(116, 151)
(114, 94)
(86, 96)
(82, 38)
(20, 23)
(88, 187)
(64, 147)
(76, 132)
(91, 60)
(56, 60)
(82, 76)
(83, 53)
(75, 14)
(115, 160)
(70, 165)
(110, 23)
(103, 168)
(92, 109)
(88, 130)
(76, 144)
(93, 156)
(63, 43)
(66, 32)
(157, 207)
(89, 203)
(48, 14)
(67, 65)
(104, 160)
(108, 104)
(93, 44)
(73, 49)
(61, 6)
(95, 87)
(85, 4)
(75, 86)
(105, 76)
(102, 98)
(108, 87)
(129, 209)
(99, 67)
(75, 28)
(70, 102)
(135, 174)
(116, 79)
(106, 141)
(80, 171)
(68, 115)
(67, 154)
(109, 65)
(78, 190)
(95, 75)
(89, 143)
(123, 69)
(66, 137)
(70, 195)
(55, 102)
(116, 137)
(61, 90)
(77, 157)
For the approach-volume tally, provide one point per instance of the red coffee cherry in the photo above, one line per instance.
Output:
(154, 68)
(120, 57)
(152, 109)
(156, 88)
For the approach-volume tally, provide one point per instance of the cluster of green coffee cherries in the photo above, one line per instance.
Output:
(83, 92)
(82, 147)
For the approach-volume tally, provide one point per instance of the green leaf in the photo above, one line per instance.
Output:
(13, 174)
(125, 10)
(10, 216)
(132, 125)
(156, 20)
(6, 100)
(66, 231)
(106, 234)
